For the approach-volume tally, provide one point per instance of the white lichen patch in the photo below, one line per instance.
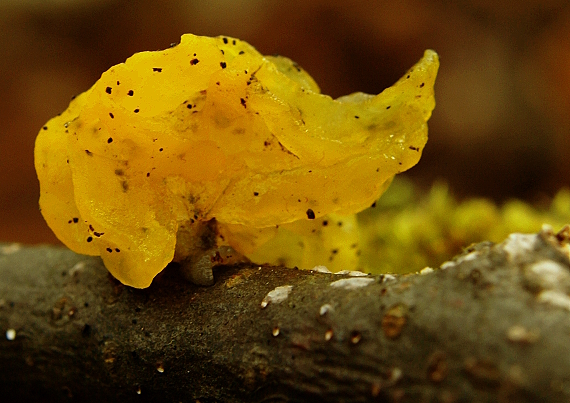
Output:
(279, 294)
(548, 274)
(456, 261)
(11, 334)
(388, 277)
(352, 273)
(321, 269)
(520, 334)
(325, 309)
(9, 249)
(519, 245)
(426, 270)
(467, 257)
(555, 298)
(77, 268)
(352, 283)
(446, 265)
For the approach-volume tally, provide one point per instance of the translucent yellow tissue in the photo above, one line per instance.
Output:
(211, 129)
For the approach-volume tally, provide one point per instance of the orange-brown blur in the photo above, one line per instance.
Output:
(501, 127)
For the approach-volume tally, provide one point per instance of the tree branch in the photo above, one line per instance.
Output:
(492, 325)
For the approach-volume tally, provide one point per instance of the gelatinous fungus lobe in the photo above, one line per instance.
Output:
(139, 165)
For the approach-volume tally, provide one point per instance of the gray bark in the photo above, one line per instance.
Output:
(492, 325)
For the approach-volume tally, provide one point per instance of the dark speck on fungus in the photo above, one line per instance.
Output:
(194, 62)
(130, 93)
(223, 64)
(110, 140)
(310, 214)
(157, 69)
(108, 90)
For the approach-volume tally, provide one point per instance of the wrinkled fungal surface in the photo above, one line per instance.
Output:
(139, 166)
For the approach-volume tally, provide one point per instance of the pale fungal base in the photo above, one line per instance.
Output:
(352, 283)
(200, 270)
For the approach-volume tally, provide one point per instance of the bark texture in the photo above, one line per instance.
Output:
(491, 325)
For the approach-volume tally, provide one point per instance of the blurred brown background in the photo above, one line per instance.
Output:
(501, 127)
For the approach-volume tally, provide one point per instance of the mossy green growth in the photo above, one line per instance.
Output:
(408, 230)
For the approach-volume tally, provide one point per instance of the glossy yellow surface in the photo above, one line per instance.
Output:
(209, 129)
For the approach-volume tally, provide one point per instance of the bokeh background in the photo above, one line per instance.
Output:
(501, 127)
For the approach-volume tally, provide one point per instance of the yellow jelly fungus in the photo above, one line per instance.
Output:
(139, 166)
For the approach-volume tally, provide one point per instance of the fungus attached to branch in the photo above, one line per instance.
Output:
(207, 144)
